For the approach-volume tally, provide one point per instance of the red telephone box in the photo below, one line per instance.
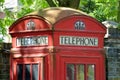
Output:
(57, 44)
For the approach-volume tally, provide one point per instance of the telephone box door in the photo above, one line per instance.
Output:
(28, 69)
(79, 68)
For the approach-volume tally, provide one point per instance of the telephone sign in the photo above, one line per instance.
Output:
(29, 41)
(78, 41)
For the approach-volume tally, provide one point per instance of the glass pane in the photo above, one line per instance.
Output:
(35, 72)
(70, 72)
(91, 72)
(80, 72)
(19, 71)
(27, 71)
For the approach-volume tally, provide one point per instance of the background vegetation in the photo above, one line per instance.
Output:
(100, 9)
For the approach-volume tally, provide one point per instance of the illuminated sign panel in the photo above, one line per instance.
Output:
(30, 41)
(78, 41)
(64, 40)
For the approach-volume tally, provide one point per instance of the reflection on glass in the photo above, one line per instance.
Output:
(27, 71)
(91, 72)
(75, 72)
(70, 72)
(80, 72)
(35, 72)
(19, 72)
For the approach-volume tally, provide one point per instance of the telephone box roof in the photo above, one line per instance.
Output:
(53, 14)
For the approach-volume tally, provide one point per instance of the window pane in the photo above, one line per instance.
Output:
(19, 72)
(70, 72)
(80, 72)
(91, 72)
(35, 72)
(27, 71)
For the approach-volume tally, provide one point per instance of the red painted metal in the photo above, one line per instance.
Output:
(28, 61)
(54, 57)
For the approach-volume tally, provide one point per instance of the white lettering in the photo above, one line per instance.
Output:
(78, 41)
(29, 41)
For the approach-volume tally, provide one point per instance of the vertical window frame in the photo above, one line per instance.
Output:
(86, 66)
(30, 61)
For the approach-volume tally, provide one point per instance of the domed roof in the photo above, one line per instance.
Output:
(53, 14)
(56, 18)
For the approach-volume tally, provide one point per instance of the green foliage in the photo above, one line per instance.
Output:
(108, 8)
(26, 6)
(119, 26)
(1, 3)
(87, 6)
(101, 9)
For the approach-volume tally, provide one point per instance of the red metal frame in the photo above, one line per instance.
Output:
(30, 61)
(83, 57)
(97, 75)
(55, 56)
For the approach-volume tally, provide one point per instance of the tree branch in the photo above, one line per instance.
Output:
(74, 3)
(69, 3)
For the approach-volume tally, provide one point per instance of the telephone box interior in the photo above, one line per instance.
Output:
(57, 44)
